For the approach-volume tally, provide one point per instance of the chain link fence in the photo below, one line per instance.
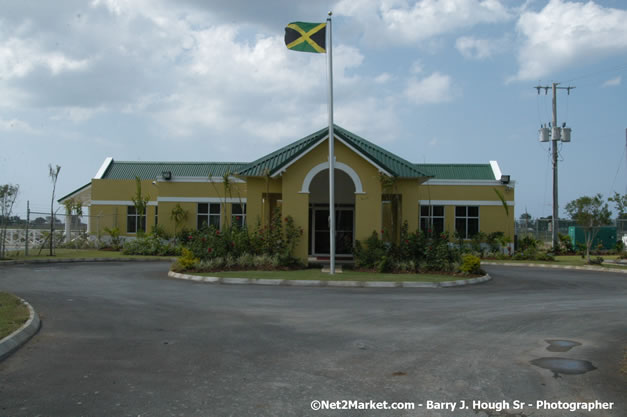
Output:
(542, 229)
(29, 233)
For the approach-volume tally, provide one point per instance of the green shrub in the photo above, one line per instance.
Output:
(471, 264)
(370, 253)
(494, 241)
(533, 254)
(598, 260)
(528, 242)
(384, 264)
(159, 231)
(114, 234)
(151, 245)
(187, 261)
(414, 252)
(566, 244)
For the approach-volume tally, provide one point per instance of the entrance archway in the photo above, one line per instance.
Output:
(345, 190)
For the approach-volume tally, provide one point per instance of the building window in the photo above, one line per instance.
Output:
(208, 215)
(156, 215)
(467, 221)
(133, 221)
(432, 219)
(238, 215)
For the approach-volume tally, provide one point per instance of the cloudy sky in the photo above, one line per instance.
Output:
(433, 80)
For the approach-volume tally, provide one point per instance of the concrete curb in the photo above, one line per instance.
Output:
(322, 283)
(72, 260)
(580, 268)
(15, 340)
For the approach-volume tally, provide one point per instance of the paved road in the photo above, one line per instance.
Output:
(124, 340)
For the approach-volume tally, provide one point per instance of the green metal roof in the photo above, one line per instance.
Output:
(458, 171)
(123, 170)
(274, 162)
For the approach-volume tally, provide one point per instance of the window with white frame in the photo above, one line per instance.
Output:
(208, 215)
(432, 219)
(238, 214)
(467, 221)
(134, 221)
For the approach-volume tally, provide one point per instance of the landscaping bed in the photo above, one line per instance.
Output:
(346, 275)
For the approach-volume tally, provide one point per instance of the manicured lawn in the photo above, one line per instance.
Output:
(13, 314)
(565, 260)
(347, 275)
(72, 253)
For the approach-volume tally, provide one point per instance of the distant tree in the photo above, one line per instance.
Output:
(525, 216)
(589, 213)
(39, 221)
(54, 175)
(8, 195)
(620, 202)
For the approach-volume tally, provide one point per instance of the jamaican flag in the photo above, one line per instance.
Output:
(306, 37)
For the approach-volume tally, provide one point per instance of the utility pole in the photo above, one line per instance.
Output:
(556, 135)
(27, 222)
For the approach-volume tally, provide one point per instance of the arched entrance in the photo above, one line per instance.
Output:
(318, 188)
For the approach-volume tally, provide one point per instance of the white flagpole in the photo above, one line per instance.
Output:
(331, 154)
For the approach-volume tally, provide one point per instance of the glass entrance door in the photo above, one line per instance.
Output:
(343, 231)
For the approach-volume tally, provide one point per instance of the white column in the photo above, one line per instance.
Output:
(68, 223)
(88, 220)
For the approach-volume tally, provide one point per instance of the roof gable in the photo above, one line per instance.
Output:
(278, 160)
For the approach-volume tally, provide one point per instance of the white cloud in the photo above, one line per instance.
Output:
(357, 116)
(416, 67)
(475, 48)
(20, 57)
(564, 33)
(395, 21)
(16, 125)
(436, 88)
(612, 82)
(382, 78)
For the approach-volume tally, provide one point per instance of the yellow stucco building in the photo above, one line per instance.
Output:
(375, 191)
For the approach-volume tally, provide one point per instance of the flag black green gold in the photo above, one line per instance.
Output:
(306, 37)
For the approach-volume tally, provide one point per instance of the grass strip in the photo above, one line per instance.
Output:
(13, 314)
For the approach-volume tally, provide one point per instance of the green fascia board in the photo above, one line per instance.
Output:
(458, 171)
(275, 161)
(392, 163)
(151, 170)
(79, 189)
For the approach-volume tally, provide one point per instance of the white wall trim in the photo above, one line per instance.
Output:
(496, 170)
(103, 168)
(69, 196)
(199, 200)
(118, 203)
(463, 203)
(282, 170)
(374, 164)
(490, 183)
(199, 179)
(325, 166)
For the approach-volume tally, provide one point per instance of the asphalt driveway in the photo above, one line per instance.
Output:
(122, 339)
